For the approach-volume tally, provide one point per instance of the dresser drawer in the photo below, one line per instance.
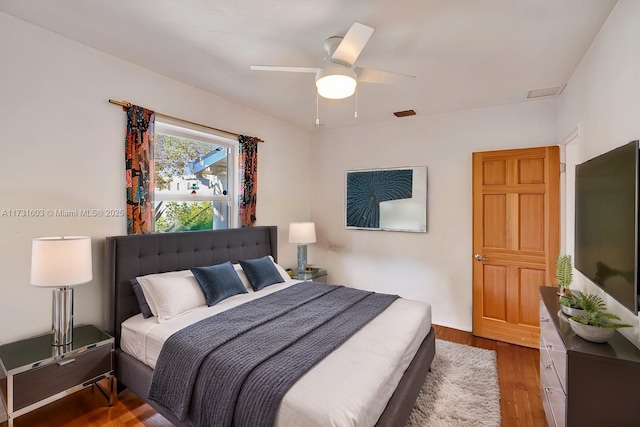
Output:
(551, 342)
(551, 337)
(553, 371)
(548, 374)
(553, 396)
(39, 383)
(548, 329)
(557, 357)
(555, 406)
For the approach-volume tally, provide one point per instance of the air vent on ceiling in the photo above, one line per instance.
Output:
(546, 92)
(405, 113)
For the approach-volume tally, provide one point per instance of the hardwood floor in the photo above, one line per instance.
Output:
(517, 371)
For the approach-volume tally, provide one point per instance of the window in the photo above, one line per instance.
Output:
(195, 184)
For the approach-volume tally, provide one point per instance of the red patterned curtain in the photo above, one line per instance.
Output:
(139, 170)
(248, 168)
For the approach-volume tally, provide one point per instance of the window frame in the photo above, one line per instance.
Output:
(179, 129)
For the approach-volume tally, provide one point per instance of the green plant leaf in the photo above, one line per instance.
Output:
(600, 319)
(564, 271)
(591, 303)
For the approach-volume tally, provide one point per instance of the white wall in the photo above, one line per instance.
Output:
(437, 266)
(62, 147)
(603, 98)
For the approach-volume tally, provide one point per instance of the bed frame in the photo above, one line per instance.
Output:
(132, 256)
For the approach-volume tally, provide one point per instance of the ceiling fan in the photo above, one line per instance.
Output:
(339, 77)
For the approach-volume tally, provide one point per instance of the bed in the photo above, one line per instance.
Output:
(134, 256)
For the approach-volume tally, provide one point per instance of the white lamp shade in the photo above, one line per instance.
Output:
(302, 232)
(61, 261)
(336, 82)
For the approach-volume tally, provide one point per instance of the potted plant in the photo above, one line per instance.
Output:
(595, 324)
(577, 303)
(564, 275)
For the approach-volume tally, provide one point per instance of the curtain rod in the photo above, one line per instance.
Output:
(127, 104)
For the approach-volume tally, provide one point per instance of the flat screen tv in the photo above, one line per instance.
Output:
(606, 233)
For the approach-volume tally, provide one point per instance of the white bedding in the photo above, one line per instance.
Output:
(350, 387)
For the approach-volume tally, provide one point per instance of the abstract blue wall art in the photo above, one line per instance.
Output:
(391, 199)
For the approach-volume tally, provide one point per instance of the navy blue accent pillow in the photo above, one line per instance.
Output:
(218, 282)
(261, 272)
(142, 301)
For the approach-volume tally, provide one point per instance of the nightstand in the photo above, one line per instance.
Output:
(310, 275)
(34, 373)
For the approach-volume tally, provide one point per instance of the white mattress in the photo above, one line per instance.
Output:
(350, 387)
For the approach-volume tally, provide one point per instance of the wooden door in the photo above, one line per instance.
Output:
(516, 235)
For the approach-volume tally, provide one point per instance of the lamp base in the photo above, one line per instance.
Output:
(302, 258)
(62, 316)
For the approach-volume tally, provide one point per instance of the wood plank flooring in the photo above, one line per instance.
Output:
(517, 370)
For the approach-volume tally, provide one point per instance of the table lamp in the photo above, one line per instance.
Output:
(60, 263)
(302, 233)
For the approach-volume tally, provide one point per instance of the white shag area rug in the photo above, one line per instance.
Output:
(461, 390)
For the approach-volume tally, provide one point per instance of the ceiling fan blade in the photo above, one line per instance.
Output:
(352, 44)
(287, 69)
(368, 75)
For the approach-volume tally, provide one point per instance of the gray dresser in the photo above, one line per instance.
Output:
(584, 383)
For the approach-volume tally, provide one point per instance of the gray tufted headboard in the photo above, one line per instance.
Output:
(132, 256)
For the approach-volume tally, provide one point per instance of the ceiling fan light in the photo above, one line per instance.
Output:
(336, 82)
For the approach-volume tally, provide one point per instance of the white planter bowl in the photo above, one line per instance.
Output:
(571, 311)
(591, 333)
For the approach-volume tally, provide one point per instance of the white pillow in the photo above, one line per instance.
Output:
(281, 270)
(243, 277)
(145, 281)
(170, 294)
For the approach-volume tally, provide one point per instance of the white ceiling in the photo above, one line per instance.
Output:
(465, 54)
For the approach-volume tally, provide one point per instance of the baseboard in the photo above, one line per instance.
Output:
(444, 324)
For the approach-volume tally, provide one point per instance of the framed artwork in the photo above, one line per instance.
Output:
(393, 199)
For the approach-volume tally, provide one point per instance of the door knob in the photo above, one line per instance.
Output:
(479, 257)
